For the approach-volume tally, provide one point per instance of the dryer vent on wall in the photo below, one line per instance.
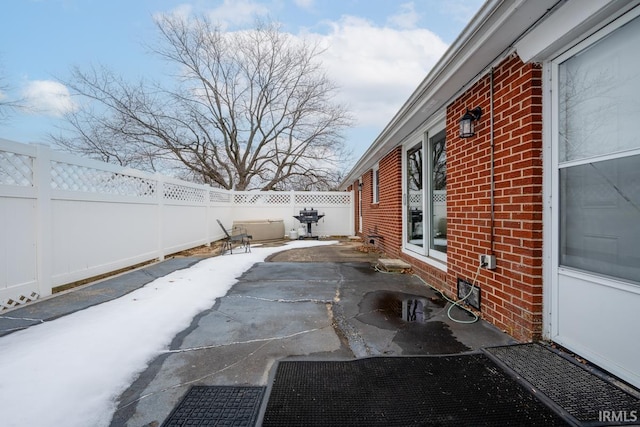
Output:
(464, 287)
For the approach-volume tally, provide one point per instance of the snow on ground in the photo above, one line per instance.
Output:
(71, 371)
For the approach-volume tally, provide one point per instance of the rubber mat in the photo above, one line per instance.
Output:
(401, 391)
(586, 396)
(217, 406)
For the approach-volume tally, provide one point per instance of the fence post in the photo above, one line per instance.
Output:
(352, 213)
(207, 216)
(44, 239)
(160, 215)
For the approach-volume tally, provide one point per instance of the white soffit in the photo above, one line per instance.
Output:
(567, 23)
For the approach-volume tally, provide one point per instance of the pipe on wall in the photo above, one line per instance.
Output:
(491, 131)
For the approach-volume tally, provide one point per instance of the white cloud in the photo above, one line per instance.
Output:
(377, 68)
(237, 12)
(229, 14)
(461, 10)
(407, 18)
(47, 97)
(304, 4)
(182, 12)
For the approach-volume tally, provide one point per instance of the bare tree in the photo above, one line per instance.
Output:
(439, 162)
(251, 110)
(415, 169)
(7, 105)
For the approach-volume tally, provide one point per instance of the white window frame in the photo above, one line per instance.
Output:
(359, 201)
(375, 184)
(552, 174)
(423, 253)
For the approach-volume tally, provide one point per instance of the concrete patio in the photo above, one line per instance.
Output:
(324, 302)
(320, 303)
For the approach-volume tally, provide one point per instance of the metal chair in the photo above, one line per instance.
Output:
(243, 238)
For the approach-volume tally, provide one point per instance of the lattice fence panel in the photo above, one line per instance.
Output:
(310, 199)
(242, 199)
(439, 197)
(219, 197)
(184, 193)
(16, 169)
(65, 176)
(21, 299)
(415, 199)
(265, 198)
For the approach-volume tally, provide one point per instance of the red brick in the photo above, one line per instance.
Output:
(512, 293)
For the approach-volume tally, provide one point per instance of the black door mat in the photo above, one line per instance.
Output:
(217, 406)
(587, 397)
(460, 390)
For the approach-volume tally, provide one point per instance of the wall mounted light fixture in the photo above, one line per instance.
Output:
(466, 122)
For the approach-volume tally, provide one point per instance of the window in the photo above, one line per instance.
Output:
(376, 185)
(425, 195)
(360, 205)
(414, 197)
(599, 157)
(438, 192)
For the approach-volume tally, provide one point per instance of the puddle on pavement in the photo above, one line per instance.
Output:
(389, 310)
(411, 316)
(433, 337)
(413, 310)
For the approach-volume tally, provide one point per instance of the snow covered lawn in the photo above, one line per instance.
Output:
(71, 371)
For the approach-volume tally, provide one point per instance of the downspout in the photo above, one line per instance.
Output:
(492, 136)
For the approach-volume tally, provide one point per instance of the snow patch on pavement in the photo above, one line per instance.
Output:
(71, 371)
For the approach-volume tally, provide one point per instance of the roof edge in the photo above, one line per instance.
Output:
(480, 43)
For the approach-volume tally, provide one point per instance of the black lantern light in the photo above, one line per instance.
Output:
(466, 122)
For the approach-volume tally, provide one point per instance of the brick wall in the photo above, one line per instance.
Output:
(512, 293)
(385, 217)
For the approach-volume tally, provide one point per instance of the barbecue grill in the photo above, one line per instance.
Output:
(308, 216)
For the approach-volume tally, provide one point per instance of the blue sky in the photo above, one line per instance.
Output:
(378, 51)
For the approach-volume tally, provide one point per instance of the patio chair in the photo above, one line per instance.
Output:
(231, 237)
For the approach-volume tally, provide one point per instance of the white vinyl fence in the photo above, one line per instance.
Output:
(64, 218)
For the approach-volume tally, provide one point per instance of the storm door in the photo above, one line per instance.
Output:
(596, 199)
